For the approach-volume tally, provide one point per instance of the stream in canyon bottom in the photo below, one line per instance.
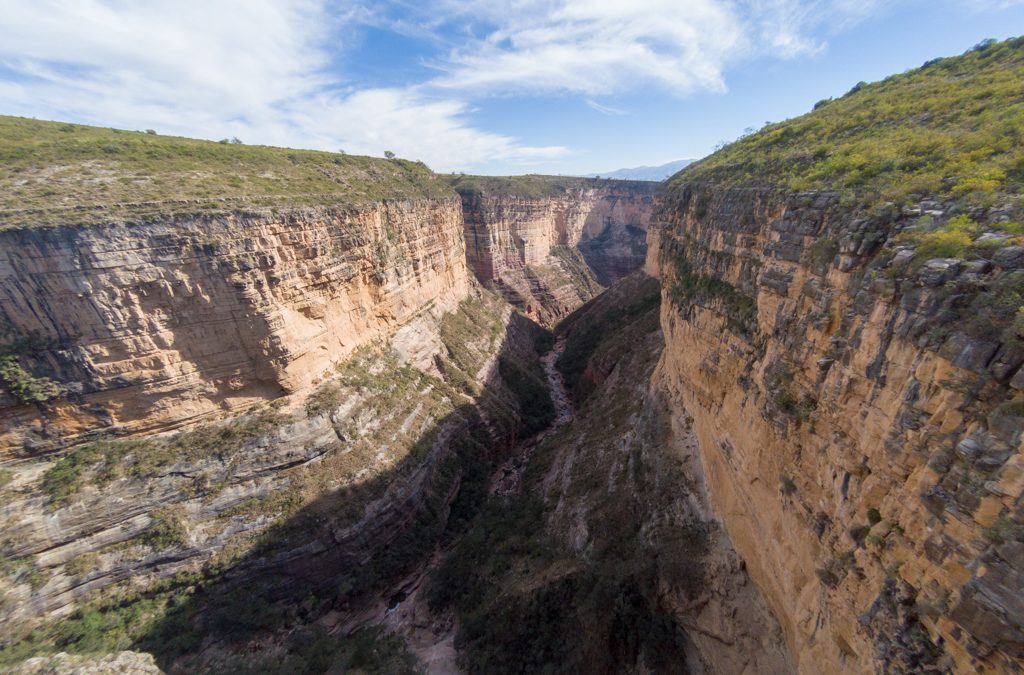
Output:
(404, 610)
(507, 479)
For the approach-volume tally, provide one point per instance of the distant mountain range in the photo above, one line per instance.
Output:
(655, 173)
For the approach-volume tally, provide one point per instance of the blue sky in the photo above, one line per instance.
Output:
(550, 86)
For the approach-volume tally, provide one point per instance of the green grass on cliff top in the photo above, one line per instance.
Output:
(953, 128)
(53, 173)
(536, 186)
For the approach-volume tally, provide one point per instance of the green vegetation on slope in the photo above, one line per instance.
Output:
(106, 459)
(953, 128)
(536, 410)
(126, 620)
(23, 385)
(930, 160)
(598, 322)
(53, 173)
(528, 603)
(691, 287)
(394, 424)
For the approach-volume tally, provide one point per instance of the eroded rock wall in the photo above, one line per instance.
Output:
(630, 495)
(860, 442)
(149, 327)
(545, 252)
(343, 491)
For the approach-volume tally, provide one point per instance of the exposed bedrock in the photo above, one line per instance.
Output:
(551, 251)
(148, 327)
(858, 423)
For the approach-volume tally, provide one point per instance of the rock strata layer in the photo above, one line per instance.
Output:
(860, 436)
(150, 327)
(545, 252)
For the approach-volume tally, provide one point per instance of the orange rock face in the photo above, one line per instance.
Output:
(862, 465)
(537, 250)
(149, 327)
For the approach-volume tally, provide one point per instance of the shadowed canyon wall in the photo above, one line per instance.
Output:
(340, 491)
(603, 556)
(549, 243)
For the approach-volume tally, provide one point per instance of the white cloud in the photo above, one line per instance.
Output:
(380, 119)
(256, 69)
(271, 71)
(606, 47)
(596, 47)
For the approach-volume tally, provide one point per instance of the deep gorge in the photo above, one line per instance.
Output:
(321, 438)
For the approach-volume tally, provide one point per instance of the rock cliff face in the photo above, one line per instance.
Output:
(629, 497)
(148, 327)
(529, 244)
(859, 433)
(339, 492)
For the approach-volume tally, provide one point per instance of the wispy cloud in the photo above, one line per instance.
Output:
(256, 69)
(595, 47)
(277, 71)
(607, 47)
(604, 109)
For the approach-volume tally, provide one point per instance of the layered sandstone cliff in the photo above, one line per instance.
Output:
(219, 536)
(860, 435)
(150, 326)
(844, 322)
(547, 242)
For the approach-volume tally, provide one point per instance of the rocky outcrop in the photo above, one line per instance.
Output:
(530, 244)
(148, 327)
(121, 663)
(858, 421)
(340, 491)
(629, 496)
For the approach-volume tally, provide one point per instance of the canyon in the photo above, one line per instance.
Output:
(765, 417)
(550, 244)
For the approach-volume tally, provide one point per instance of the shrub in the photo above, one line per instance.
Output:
(823, 250)
(835, 569)
(943, 243)
(80, 566)
(874, 516)
(166, 529)
(24, 386)
(691, 287)
(101, 458)
(536, 410)
(858, 533)
(326, 399)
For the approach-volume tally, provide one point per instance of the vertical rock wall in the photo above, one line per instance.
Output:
(859, 438)
(148, 327)
(546, 252)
